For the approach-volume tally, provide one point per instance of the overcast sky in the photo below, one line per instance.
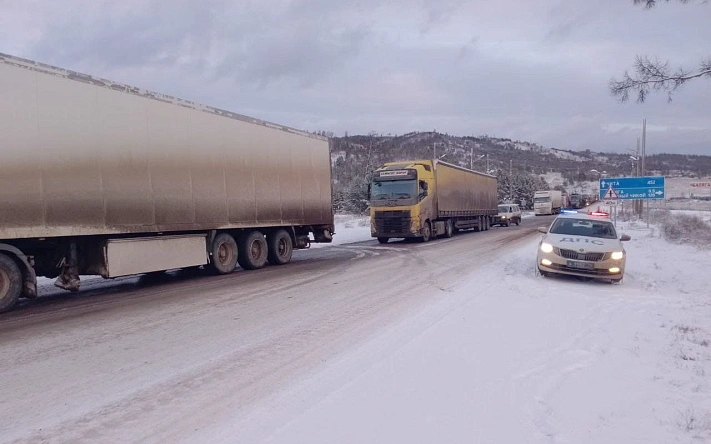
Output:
(528, 70)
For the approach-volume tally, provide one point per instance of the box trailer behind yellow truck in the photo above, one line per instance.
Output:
(102, 178)
(429, 198)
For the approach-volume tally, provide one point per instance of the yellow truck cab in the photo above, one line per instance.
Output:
(427, 198)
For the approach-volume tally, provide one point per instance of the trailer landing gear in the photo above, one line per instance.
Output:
(68, 279)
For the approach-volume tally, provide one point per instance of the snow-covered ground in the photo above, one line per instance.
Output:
(468, 345)
(703, 215)
(349, 229)
(512, 357)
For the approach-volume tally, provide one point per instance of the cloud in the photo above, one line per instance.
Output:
(524, 70)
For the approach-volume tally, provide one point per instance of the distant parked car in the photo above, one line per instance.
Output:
(508, 214)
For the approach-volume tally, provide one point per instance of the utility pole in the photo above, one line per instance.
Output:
(511, 180)
(471, 158)
(644, 159)
(638, 170)
(487, 163)
(644, 146)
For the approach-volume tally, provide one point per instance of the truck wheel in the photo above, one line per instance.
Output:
(449, 228)
(253, 251)
(426, 232)
(10, 283)
(280, 247)
(224, 254)
(383, 240)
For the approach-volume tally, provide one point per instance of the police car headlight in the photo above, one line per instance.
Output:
(546, 248)
(617, 255)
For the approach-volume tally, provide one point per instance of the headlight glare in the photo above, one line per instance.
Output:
(546, 248)
(617, 255)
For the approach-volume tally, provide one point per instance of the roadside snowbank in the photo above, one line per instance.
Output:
(349, 229)
(515, 357)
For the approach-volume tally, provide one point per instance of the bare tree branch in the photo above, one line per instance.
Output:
(655, 75)
(649, 4)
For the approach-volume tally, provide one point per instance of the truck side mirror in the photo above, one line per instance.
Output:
(423, 185)
(369, 190)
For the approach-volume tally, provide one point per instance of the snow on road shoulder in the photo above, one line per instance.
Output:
(515, 357)
(349, 229)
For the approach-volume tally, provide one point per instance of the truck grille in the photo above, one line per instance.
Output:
(392, 222)
(572, 254)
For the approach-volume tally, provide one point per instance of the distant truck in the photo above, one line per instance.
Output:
(99, 178)
(428, 198)
(565, 200)
(547, 202)
(577, 201)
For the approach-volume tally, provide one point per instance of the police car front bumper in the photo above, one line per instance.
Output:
(606, 268)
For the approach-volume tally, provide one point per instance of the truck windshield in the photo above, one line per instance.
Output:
(584, 227)
(541, 199)
(394, 189)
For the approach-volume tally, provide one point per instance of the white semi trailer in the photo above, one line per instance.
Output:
(107, 179)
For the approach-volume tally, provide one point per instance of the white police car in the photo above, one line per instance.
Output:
(581, 244)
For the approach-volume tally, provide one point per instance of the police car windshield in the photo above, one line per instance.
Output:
(584, 227)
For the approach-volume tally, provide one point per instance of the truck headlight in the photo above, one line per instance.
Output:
(546, 248)
(617, 255)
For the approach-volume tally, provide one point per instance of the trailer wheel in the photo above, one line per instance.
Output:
(224, 254)
(280, 247)
(10, 283)
(449, 228)
(253, 251)
(487, 223)
(426, 232)
(383, 240)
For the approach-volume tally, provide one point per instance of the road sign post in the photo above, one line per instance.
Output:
(633, 188)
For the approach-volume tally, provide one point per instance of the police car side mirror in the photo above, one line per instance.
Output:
(625, 237)
(543, 230)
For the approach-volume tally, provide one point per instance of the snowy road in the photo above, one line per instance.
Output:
(451, 341)
(137, 361)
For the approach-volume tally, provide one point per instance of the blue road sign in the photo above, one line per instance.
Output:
(631, 188)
